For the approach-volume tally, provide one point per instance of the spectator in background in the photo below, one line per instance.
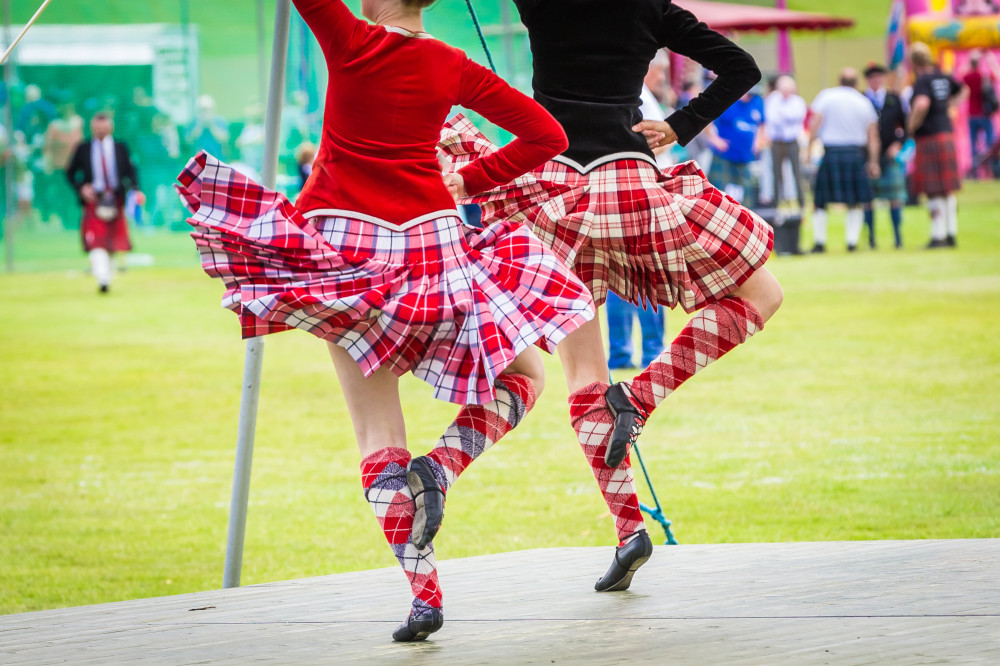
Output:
(101, 171)
(983, 104)
(35, 115)
(891, 183)
(305, 155)
(736, 137)
(620, 313)
(656, 98)
(846, 123)
(784, 122)
(62, 136)
(935, 165)
(250, 142)
(210, 132)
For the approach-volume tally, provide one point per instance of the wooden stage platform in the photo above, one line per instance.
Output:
(886, 602)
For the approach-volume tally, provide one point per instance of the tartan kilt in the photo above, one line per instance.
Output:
(891, 183)
(842, 177)
(95, 233)
(935, 166)
(451, 304)
(667, 238)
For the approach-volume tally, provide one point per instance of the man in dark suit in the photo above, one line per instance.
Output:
(891, 183)
(101, 172)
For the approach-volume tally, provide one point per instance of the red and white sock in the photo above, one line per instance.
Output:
(478, 427)
(383, 475)
(712, 332)
(593, 423)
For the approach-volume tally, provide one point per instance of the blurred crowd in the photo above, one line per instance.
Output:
(49, 123)
(761, 151)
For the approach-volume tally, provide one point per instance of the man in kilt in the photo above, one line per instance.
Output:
(891, 183)
(935, 165)
(101, 172)
(846, 123)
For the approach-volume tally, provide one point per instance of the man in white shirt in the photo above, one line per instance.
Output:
(101, 172)
(846, 123)
(784, 122)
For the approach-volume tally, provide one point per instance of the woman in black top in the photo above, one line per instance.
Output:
(653, 238)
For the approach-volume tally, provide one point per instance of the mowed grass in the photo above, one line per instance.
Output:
(866, 410)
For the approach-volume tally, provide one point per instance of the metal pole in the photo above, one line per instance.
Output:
(10, 163)
(261, 54)
(255, 346)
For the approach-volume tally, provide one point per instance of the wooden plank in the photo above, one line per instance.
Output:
(856, 602)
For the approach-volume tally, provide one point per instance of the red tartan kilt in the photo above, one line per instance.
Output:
(96, 233)
(668, 238)
(451, 304)
(935, 166)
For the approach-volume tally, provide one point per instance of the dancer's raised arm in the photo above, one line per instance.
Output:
(682, 32)
(334, 25)
(539, 137)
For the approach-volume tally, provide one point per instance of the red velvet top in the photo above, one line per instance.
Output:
(389, 94)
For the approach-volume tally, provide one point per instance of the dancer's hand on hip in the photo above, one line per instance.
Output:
(456, 185)
(658, 133)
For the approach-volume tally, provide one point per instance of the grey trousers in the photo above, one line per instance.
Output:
(781, 151)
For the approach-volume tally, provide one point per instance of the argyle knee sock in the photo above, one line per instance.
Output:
(711, 332)
(592, 421)
(478, 427)
(383, 476)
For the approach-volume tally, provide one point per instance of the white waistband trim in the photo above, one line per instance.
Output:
(604, 160)
(354, 215)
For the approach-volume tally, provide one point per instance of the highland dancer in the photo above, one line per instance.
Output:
(378, 264)
(654, 238)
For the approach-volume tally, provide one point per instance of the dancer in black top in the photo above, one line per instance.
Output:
(655, 239)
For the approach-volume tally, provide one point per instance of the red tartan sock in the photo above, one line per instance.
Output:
(592, 421)
(478, 427)
(712, 332)
(383, 475)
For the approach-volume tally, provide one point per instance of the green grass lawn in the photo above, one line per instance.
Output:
(866, 410)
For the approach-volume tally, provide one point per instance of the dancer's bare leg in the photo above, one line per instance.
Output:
(763, 291)
(373, 402)
(582, 355)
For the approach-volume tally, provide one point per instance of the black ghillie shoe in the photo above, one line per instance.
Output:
(419, 628)
(628, 424)
(428, 498)
(628, 559)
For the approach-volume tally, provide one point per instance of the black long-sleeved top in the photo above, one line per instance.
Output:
(590, 57)
(891, 121)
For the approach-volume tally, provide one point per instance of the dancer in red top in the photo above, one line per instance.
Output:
(375, 260)
(654, 238)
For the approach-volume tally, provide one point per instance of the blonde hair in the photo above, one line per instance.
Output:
(920, 55)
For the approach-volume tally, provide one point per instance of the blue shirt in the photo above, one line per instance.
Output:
(738, 125)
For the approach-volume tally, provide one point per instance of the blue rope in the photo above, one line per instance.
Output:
(482, 37)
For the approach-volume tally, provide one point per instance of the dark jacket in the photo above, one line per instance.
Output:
(891, 121)
(80, 171)
(589, 58)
